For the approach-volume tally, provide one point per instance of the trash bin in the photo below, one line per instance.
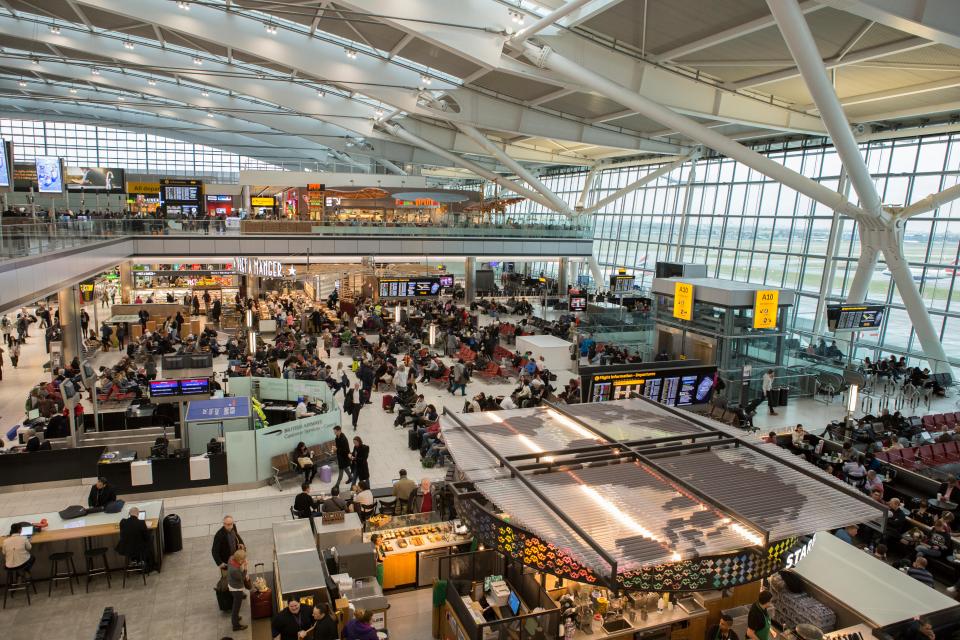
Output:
(172, 534)
(782, 394)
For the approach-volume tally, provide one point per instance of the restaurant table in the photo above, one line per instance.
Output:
(87, 532)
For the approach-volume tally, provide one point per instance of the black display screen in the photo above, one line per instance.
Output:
(409, 287)
(195, 387)
(619, 283)
(446, 281)
(164, 388)
(679, 386)
(854, 317)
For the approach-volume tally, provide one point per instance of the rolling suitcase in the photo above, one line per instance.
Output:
(326, 474)
(413, 439)
(261, 602)
(388, 403)
(224, 599)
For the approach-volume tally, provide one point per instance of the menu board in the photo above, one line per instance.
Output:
(195, 387)
(680, 386)
(164, 388)
(578, 303)
(409, 287)
(854, 317)
(620, 283)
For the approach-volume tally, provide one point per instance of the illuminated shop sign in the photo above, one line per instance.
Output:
(257, 267)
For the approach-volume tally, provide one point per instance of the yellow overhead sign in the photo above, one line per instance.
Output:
(143, 188)
(765, 306)
(683, 301)
(262, 202)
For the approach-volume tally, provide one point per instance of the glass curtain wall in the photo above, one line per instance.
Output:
(84, 145)
(746, 227)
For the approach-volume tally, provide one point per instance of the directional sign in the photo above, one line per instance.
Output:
(683, 301)
(765, 306)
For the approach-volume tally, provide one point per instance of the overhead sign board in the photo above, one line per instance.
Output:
(409, 287)
(683, 300)
(854, 317)
(621, 282)
(257, 267)
(143, 188)
(765, 305)
(262, 202)
(218, 409)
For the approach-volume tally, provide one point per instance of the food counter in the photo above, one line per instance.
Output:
(413, 545)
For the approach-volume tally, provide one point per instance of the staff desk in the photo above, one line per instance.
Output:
(92, 530)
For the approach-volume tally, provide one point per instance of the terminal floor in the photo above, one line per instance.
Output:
(179, 603)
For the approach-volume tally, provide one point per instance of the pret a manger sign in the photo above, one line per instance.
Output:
(257, 267)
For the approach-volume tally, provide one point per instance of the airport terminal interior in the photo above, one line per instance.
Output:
(479, 319)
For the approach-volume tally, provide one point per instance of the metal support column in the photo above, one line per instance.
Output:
(687, 206)
(245, 202)
(126, 282)
(563, 273)
(830, 266)
(69, 299)
(469, 280)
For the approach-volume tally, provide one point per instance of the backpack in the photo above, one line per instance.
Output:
(73, 511)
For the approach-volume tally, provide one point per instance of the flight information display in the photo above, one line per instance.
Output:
(680, 386)
(620, 283)
(578, 303)
(181, 193)
(854, 317)
(409, 287)
(195, 386)
(164, 388)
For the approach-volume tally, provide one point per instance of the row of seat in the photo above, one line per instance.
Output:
(928, 455)
(940, 421)
(62, 568)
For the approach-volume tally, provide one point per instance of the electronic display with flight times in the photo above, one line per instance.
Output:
(409, 287)
(854, 317)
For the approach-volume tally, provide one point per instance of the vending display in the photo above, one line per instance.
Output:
(409, 287)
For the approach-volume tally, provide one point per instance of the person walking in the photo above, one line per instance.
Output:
(343, 456)
(352, 403)
(84, 321)
(7, 328)
(236, 583)
(768, 379)
(361, 455)
(15, 353)
(458, 377)
(121, 335)
(225, 543)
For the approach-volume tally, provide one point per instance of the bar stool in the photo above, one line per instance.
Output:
(90, 561)
(135, 566)
(69, 572)
(18, 580)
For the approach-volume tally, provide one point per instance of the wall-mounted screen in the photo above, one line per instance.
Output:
(195, 387)
(675, 386)
(578, 303)
(6, 162)
(97, 179)
(621, 283)
(164, 388)
(446, 281)
(49, 174)
(854, 317)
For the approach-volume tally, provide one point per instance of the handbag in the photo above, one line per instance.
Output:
(305, 461)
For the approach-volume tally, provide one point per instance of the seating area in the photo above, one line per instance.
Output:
(284, 466)
(940, 421)
(928, 455)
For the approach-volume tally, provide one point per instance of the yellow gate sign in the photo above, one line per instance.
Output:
(765, 306)
(683, 301)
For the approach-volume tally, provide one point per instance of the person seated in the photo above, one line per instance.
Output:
(854, 471)
(334, 502)
(303, 459)
(362, 495)
(33, 441)
(938, 542)
(101, 494)
(918, 571)
(872, 483)
(404, 487)
(921, 512)
(896, 520)
(304, 505)
(16, 550)
(949, 491)
(135, 542)
(848, 534)
(302, 411)
(798, 435)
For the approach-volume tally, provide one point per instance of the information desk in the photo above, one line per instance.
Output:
(49, 466)
(91, 531)
(167, 474)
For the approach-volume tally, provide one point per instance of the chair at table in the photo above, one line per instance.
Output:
(388, 505)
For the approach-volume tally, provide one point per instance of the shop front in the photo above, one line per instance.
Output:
(179, 282)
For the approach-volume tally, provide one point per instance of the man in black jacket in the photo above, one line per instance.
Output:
(291, 621)
(101, 494)
(225, 542)
(343, 454)
(304, 505)
(134, 541)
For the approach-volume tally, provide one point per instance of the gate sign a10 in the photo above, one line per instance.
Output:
(765, 306)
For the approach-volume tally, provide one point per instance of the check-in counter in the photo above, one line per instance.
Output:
(165, 474)
(49, 466)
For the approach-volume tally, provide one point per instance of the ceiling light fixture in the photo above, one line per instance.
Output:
(425, 79)
(516, 17)
(34, 60)
(183, 5)
(121, 99)
(205, 93)
(152, 82)
(54, 29)
(72, 90)
(271, 28)
(320, 93)
(22, 83)
(197, 61)
(95, 71)
(128, 45)
(210, 114)
(351, 53)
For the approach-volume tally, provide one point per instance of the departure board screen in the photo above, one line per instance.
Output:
(854, 317)
(409, 287)
(679, 386)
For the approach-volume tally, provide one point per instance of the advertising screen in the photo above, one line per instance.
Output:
(49, 174)
(195, 387)
(98, 179)
(164, 388)
(578, 303)
(678, 386)
(446, 281)
(409, 287)
(5, 164)
(854, 317)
